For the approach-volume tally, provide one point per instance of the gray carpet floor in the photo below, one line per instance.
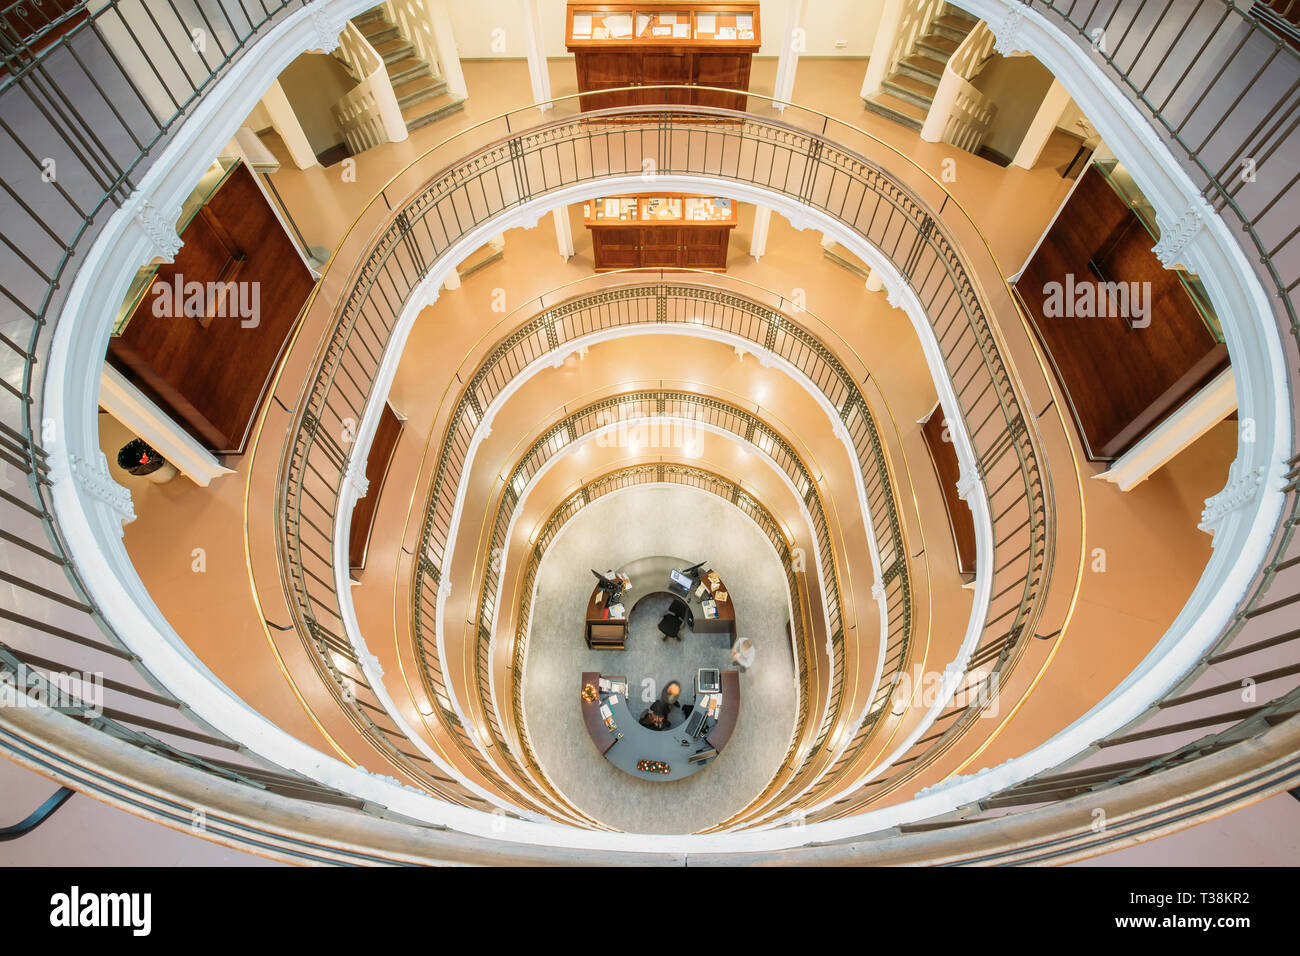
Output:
(615, 531)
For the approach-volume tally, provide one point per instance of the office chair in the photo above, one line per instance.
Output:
(670, 626)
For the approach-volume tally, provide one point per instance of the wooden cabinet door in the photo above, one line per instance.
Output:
(730, 70)
(617, 247)
(661, 248)
(608, 69)
(706, 248)
(666, 69)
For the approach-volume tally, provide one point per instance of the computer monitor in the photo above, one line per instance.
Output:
(611, 585)
(693, 571)
(708, 680)
(682, 582)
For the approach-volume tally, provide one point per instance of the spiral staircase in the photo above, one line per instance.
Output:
(456, 776)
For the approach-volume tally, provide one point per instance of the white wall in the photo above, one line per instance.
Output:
(827, 21)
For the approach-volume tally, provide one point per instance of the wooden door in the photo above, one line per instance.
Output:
(667, 68)
(617, 247)
(608, 69)
(730, 70)
(706, 248)
(661, 247)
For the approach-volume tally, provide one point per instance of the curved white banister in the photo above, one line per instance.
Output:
(1195, 236)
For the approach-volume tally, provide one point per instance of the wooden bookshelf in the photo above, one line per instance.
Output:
(660, 231)
(657, 44)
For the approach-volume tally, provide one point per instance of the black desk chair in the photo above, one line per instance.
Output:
(670, 626)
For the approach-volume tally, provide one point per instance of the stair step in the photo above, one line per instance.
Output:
(394, 50)
(426, 112)
(900, 111)
(937, 46)
(379, 32)
(953, 22)
(399, 71)
(923, 67)
(911, 89)
(370, 16)
(418, 90)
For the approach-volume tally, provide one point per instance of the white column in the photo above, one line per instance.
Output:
(758, 239)
(1044, 123)
(563, 231)
(875, 281)
(792, 44)
(448, 53)
(133, 409)
(891, 19)
(452, 281)
(1211, 405)
(538, 75)
(498, 242)
(285, 122)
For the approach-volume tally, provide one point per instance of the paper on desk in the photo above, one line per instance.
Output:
(582, 24)
(682, 31)
(619, 25)
(705, 23)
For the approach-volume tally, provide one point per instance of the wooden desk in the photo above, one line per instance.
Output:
(725, 622)
(602, 633)
(721, 732)
(664, 45)
(600, 734)
(660, 231)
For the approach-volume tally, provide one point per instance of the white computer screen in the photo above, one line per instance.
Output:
(680, 579)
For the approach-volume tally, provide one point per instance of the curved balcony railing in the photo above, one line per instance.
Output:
(659, 473)
(705, 413)
(410, 228)
(37, 108)
(564, 321)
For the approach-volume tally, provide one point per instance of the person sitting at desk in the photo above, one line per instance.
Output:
(655, 716)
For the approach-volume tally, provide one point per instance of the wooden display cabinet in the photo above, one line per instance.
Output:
(648, 44)
(660, 231)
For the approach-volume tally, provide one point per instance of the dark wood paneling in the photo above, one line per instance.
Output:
(729, 70)
(662, 248)
(706, 247)
(382, 450)
(943, 455)
(1120, 381)
(617, 248)
(211, 373)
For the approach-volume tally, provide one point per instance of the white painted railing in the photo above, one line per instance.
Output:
(961, 114)
(368, 114)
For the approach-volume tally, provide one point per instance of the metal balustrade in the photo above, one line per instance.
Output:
(669, 406)
(78, 102)
(660, 473)
(407, 228)
(77, 98)
(563, 321)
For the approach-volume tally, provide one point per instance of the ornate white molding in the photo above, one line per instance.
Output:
(1174, 238)
(1241, 489)
(92, 478)
(1006, 34)
(894, 296)
(968, 482)
(356, 475)
(159, 225)
(328, 24)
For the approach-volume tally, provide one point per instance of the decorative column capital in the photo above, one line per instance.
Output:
(1006, 33)
(93, 479)
(1242, 488)
(328, 25)
(894, 296)
(878, 591)
(158, 224)
(968, 482)
(1175, 237)
(356, 475)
